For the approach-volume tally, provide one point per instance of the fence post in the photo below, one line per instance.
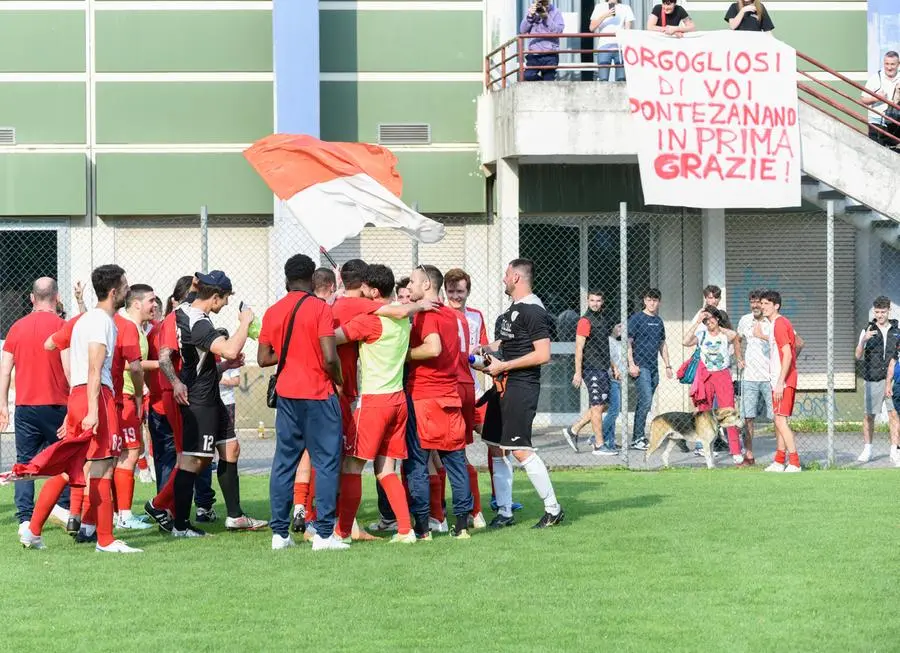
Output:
(415, 243)
(623, 317)
(829, 322)
(204, 239)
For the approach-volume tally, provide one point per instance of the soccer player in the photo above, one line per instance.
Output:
(300, 326)
(783, 361)
(434, 356)
(324, 284)
(381, 415)
(91, 410)
(42, 390)
(204, 417)
(523, 346)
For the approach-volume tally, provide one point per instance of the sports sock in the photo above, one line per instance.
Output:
(301, 492)
(348, 502)
(780, 456)
(184, 494)
(503, 482)
(165, 500)
(101, 497)
(231, 488)
(76, 498)
(142, 463)
(473, 486)
(124, 483)
(89, 506)
(794, 459)
(491, 474)
(393, 488)
(436, 498)
(540, 479)
(47, 498)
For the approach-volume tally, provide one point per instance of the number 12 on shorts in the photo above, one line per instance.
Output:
(208, 441)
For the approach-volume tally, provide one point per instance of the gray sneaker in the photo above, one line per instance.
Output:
(604, 451)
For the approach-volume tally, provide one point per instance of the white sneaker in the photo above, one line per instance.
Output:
(383, 526)
(737, 460)
(792, 469)
(774, 467)
(24, 526)
(117, 546)
(477, 521)
(866, 454)
(145, 476)
(59, 514)
(333, 543)
(895, 454)
(436, 526)
(244, 523)
(279, 542)
(31, 541)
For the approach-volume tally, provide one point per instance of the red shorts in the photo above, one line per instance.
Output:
(129, 423)
(440, 423)
(467, 396)
(381, 426)
(106, 442)
(784, 408)
(173, 415)
(348, 424)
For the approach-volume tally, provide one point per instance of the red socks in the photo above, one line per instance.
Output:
(436, 497)
(76, 499)
(47, 498)
(442, 474)
(396, 496)
(124, 481)
(348, 502)
(780, 456)
(301, 492)
(165, 500)
(473, 486)
(101, 497)
(794, 459)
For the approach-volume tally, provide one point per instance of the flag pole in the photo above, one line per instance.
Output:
(328, 256)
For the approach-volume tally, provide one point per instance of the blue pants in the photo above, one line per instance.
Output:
(416, 469)
(645, 385)
(36, 428)
(608, 57)
(455, 464)
(612, 413)
(300, 424)
(544, 74)
(165, 457)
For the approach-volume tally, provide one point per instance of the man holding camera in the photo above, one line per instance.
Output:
(877, 345)
(610, 17)
(542, 59)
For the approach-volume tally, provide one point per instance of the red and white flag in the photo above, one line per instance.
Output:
(335, 189)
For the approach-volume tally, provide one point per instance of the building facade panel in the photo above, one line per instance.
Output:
(45, 184)
(44, 112)
(42, 41)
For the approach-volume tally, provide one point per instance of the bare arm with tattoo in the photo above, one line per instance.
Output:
(179, 390)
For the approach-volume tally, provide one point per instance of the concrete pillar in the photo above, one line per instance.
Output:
(713, 241)
(505, 236)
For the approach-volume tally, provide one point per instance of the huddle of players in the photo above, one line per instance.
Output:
(406, 392)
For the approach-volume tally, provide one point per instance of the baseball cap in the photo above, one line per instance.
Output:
(215, 278)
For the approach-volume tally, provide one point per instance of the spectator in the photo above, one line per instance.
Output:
(749, 16)
(671, 19)
(883, 84)
(325, 284)
(646, 341)
(610, 17)
(615, 389)
(757, 381)
(877, 346)
(712, 296)
(542, 19)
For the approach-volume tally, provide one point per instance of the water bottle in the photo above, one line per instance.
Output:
(254, 328)
(261, 431)
(476, 360)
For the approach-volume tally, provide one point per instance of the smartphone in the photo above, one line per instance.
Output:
(242, 306)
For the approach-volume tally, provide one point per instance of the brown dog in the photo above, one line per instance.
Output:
(698, 427)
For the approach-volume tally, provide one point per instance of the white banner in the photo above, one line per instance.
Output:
(715, 118)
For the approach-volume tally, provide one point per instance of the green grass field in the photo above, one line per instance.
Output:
(686, 560)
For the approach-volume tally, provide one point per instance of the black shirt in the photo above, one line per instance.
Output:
(596, 345)
(672, 20)
(750, 22)
(523, 323)
(199, 371)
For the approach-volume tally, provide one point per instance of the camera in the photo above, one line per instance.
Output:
(541, 8)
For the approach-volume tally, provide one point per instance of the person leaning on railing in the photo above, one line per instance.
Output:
(671, 19)
(749, 16)
(542, 19)
(884, 85)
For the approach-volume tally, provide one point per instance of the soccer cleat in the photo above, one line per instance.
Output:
(279, 542)
(24, 526)
(425, 538)
(436, 526)
(477, 521)
(383, 526)
(73, 525)
(31, 541)
(59, 515)
(332, 543)
(406, 538)
(206, 515)
(792, 469)
(775, 467)
(81, 537)
(571, 438)
(117, 546)
(145, 476)
(190, 531)
(161, 517)
(549, 520)
(604, 451)
(244, 523)
(133, 524)
(298, 523)
(462, 534)
(501, 521)
(516, 506)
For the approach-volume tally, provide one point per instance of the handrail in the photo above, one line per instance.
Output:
(514, 50)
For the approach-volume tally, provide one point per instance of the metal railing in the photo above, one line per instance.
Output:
(508, 61)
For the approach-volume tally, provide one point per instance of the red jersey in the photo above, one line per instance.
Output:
(153, 379)
(63, 337)
(40, 379)
(438, 376)
(303, 375)
(783, 334)
(465, 370)
(168, 338)
(344, 310)
(127, 350)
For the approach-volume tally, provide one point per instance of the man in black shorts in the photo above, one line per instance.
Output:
(523, 344)
(205, 416)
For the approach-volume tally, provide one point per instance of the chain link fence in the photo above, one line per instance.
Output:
(678, 252)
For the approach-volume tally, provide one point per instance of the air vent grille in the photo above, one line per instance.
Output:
(7, 135)
(404, 134)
